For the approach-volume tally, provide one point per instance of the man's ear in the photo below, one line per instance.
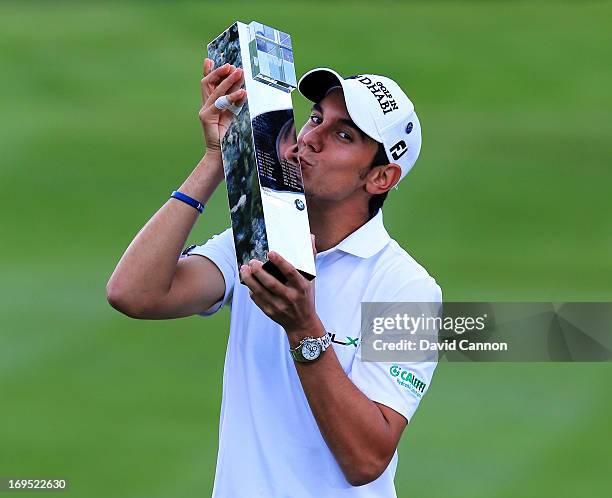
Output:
(382, 178)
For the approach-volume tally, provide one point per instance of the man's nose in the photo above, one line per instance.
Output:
(312, 139)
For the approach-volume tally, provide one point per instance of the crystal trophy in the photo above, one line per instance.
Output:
(263, 177)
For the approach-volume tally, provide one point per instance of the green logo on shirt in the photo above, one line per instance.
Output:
(408, 380)
(350, 341)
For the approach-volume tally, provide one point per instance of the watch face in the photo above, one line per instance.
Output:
(311, 350)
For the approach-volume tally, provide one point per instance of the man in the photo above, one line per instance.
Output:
(329, 425)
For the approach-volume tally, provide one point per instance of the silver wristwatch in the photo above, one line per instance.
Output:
(310, 348)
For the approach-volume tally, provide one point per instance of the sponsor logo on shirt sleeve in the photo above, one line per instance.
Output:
(408, 380)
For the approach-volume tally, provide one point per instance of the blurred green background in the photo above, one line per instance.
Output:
(510, 200)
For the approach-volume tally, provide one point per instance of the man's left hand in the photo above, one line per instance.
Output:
(292, 304)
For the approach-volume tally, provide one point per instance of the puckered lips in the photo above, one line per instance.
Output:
(304, 162)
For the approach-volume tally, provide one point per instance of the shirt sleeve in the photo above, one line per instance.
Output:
(399, 385)
(220, 250)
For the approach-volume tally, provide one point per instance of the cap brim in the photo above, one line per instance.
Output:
(316, 82)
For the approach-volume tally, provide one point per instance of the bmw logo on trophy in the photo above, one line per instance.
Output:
(264, 181)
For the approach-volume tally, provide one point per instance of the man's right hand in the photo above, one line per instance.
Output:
(224, 80)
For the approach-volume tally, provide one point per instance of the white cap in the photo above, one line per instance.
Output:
(378, 106)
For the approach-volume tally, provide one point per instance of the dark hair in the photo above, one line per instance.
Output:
(376, 201)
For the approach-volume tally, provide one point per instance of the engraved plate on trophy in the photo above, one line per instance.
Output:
(264, 180)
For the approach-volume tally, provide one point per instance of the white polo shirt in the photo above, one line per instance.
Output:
(269, 442)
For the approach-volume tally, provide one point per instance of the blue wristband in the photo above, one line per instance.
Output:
(188, 200)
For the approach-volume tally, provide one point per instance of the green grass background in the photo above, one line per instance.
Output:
(510, 200)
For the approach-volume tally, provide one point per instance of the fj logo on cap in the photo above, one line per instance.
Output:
(384, 97)
(398, 150)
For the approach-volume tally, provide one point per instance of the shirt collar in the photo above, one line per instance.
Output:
(366, 241)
